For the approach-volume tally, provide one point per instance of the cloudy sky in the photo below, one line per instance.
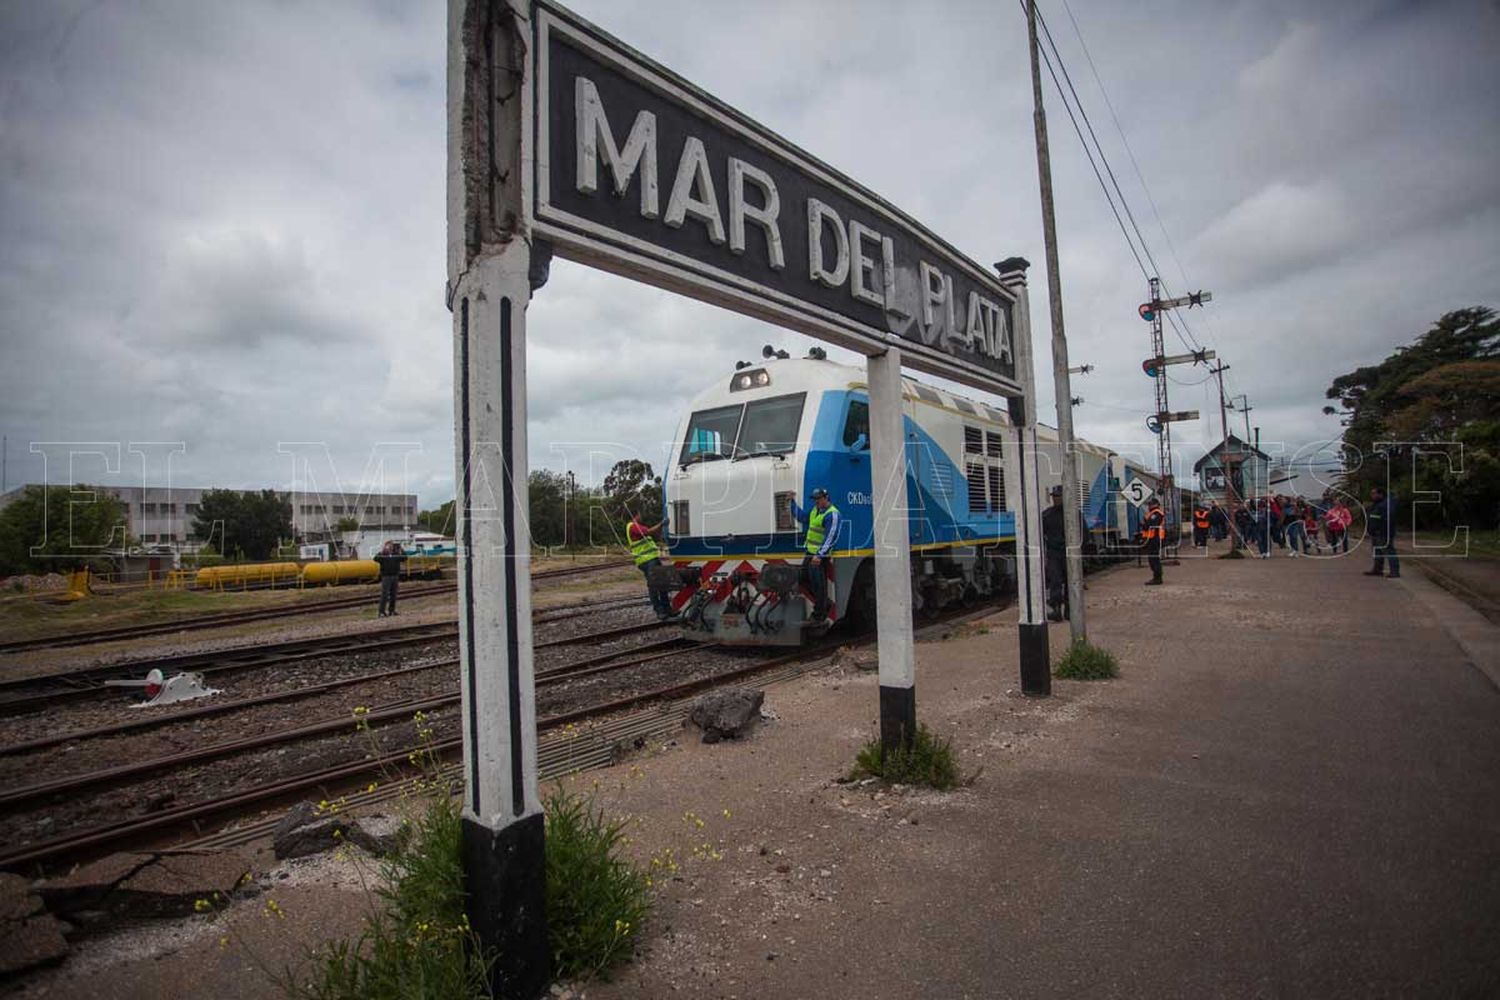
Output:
(221, 225)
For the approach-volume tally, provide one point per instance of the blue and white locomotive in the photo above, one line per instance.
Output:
(768, 435)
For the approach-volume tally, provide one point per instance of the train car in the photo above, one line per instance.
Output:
(769, 434)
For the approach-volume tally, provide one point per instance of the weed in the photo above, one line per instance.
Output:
(928, 761)
(596, 899)
(1086, 662)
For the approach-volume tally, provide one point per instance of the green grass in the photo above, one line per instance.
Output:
(1086, 662)
(928, 761)
(596, 899)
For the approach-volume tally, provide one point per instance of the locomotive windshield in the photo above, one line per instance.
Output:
(764, 427)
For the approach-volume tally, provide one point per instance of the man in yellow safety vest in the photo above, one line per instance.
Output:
(643, 549)
(822, 521)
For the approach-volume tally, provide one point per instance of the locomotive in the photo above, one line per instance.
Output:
(764, 436)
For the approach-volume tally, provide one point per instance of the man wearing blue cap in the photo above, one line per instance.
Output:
(822, 521)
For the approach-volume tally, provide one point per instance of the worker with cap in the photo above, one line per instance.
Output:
(643, 549)
(822, 520)
(1154, 533)
(1055, 561)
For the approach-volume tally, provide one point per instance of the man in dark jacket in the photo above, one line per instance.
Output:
(1055, 562)
(1380, 524)
(390, 559)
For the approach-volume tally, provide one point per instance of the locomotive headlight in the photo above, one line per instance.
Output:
(759, 378)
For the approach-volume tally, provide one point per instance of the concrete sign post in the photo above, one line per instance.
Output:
(1031, 593)
(489, 288)
(892, 542)
(561, 137)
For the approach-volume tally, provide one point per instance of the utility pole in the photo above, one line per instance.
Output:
(568, 512)
(1244, 407)
(1061, 386)
(1229, 491)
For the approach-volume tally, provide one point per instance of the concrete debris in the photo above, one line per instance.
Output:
(132, 886)
(306, 830)
(29, 936)
(727, 714)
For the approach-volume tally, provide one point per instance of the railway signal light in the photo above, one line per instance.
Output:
(1150, 367)
(1147, 311)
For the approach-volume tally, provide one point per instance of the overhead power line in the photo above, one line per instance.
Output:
(1114, 194)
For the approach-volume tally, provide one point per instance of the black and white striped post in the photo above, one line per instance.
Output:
(892, 544)
(1031, 596)
(490, 280)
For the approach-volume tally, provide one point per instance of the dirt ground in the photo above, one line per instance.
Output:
(1293, 789)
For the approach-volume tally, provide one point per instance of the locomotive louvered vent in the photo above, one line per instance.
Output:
(942, 480)
(973, 440)
(964, 406)
(993, 444)
(1083, 493)
(997, 488)
(783, 509)
(928, 395)
(977, 499)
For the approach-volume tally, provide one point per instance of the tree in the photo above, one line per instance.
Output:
(250, 523)
(346, 523)
(439, 521)
(48, 529)
(1428, 417)
(632, 487)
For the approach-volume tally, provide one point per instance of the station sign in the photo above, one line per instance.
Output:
(639, 172)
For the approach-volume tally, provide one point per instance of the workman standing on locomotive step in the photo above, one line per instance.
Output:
(389, 560)
(644, 550)
(823, 522)
(1154, 528)
(1200, 527)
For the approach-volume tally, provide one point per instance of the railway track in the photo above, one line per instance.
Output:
(26, 694)
(327, 780)
(222, 619)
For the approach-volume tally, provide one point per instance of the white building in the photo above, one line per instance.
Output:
(163, 516)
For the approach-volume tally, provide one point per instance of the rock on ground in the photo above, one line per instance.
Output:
(305, 830)
(727, 714)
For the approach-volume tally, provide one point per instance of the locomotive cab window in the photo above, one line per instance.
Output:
(770, 426)
(857, 424)
(711, 434)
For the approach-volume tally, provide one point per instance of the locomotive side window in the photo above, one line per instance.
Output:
(770, 426)
(857, 424)
(711, 434)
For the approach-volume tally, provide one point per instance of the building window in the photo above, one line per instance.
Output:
(148, 510)
(192, 508)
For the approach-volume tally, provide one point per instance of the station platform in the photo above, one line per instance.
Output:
(1293, 789)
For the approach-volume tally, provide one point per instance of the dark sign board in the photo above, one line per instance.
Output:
(641, 173)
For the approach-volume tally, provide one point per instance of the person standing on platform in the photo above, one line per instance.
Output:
(1380, 523)
(1218, 521)
(1260, 517)
(1201, 520)
(641, 538)
(1154, 529)
(389, 560)
(1338, 519)
(1295, 516)
(1055, 550)
(822, 521)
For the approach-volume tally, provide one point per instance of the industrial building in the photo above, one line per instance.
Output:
(161, 516)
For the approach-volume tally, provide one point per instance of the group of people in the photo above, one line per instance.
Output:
(1300, 526)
